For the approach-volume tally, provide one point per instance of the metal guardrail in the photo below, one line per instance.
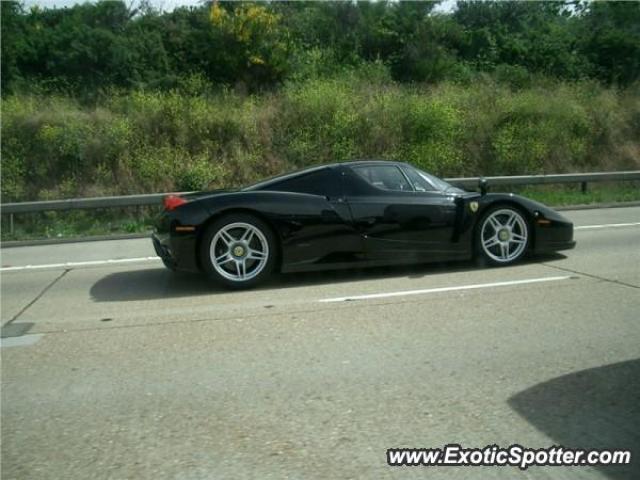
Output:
(471, 182)
(582, 178)
(84, 203)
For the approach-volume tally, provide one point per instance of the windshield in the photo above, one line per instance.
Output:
(424, 182)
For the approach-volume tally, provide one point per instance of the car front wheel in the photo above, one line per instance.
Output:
(238, 251)
(503, 236)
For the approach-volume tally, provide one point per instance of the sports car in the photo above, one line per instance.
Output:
(360, 213)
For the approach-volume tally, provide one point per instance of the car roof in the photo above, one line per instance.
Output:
(303, 171)
(358, 162)
(283, 176)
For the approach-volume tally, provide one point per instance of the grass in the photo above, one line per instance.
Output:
(78, 223)
(88, 223)
(572, 195)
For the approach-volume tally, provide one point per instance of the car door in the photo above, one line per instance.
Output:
(318, 227)
(393, 217)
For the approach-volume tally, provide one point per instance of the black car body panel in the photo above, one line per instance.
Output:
(334, 216)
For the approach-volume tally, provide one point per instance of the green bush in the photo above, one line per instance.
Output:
(541, 134)
(197, 138)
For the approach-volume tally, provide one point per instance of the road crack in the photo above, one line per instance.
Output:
(591, 275)
(37, 297)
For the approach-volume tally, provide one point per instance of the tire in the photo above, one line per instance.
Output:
(503, 236)
(238, 251)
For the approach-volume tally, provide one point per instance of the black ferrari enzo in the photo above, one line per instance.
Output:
(346, 214)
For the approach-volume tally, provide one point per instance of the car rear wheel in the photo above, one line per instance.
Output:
(503, 236)
(238, 251)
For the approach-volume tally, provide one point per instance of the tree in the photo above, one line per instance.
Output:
(612, 40)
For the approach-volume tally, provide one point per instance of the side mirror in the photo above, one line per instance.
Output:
(483, 185)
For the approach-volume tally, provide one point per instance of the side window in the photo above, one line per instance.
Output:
(323, 182)
(384, 177)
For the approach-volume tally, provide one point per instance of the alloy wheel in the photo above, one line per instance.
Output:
(239, 251)
(504, 235)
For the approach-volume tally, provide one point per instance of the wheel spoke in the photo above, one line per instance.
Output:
(226, 237)
(224, 258)
(241, 267)
(256, 255)
(491, 242)
(511, 221)
(504, 251)
(495, 223)
(247, 236)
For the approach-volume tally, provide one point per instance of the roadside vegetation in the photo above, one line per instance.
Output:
(121, 98)
(137, 142)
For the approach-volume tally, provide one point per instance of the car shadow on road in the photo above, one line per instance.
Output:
(157, 283)
(148, 284)
(598, 408)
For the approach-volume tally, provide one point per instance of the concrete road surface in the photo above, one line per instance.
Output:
(114, 368)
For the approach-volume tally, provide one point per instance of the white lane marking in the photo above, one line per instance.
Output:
(114, 261)
(608, 225)
(22, 341)
(444, 289)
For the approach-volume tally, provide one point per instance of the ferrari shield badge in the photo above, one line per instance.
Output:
(473, 206)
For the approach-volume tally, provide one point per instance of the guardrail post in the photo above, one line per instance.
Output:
(583, 187)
